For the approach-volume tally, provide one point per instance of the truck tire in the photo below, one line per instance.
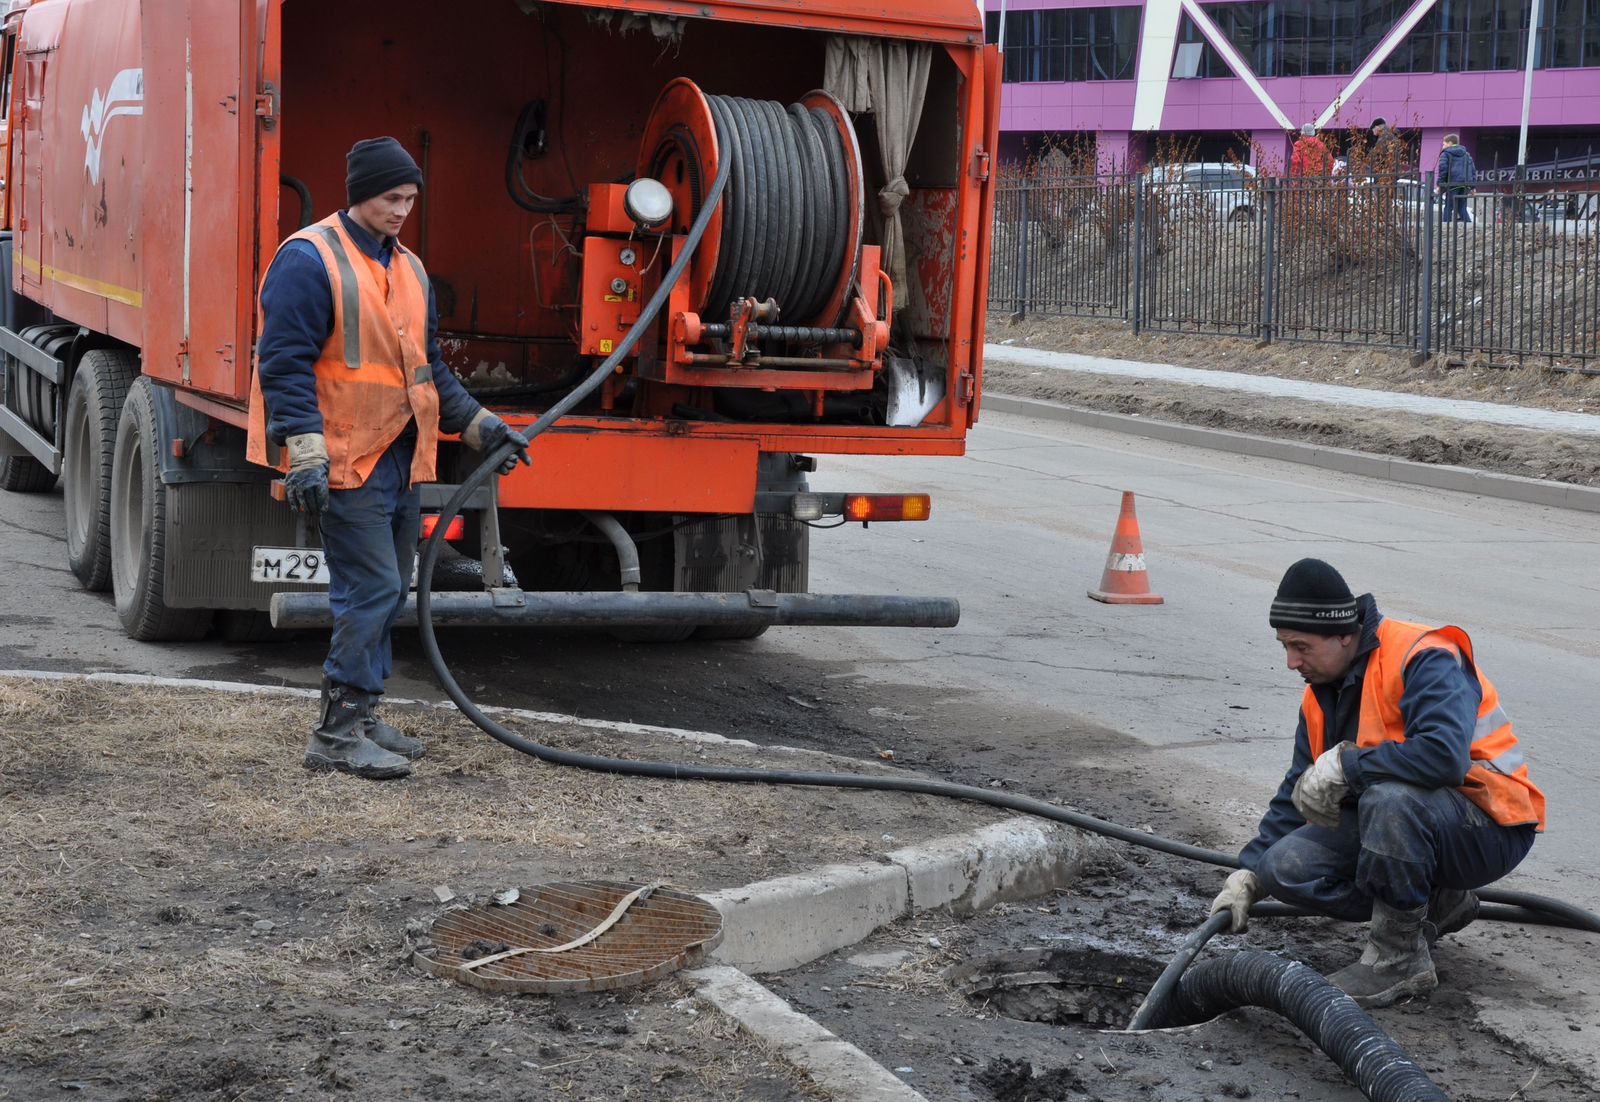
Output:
(23, 474)
(94, 406)
(786, 546)
(139, 529)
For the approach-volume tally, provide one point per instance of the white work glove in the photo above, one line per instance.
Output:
(1321, 789)
(307, 450)
(1243, 889)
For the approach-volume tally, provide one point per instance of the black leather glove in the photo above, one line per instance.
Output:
(494, 433)
(307, 489)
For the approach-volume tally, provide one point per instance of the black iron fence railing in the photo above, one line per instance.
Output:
(1506, 273)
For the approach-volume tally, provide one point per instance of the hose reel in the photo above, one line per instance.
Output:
(782, 294)
(791, 221)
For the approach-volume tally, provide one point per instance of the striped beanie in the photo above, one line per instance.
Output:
(1314, 598)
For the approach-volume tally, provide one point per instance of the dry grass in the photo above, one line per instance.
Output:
(141, 821)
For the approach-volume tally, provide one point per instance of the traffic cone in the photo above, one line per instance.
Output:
(1125, 581)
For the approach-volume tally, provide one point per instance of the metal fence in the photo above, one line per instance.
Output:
(1383, 262)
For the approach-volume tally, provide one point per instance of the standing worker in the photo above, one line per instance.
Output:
(1407, 790)
(1455, 178)
(348, 398)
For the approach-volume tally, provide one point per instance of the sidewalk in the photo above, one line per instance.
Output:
(1521, 417)
(1514, 453)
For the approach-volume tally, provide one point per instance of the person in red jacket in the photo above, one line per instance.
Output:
(1311, 156)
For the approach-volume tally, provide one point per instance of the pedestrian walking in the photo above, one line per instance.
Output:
(1311, 155)
(1455, 177)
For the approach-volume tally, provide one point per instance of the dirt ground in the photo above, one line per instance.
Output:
(189, 915)
(1409, 436)
(233, 930)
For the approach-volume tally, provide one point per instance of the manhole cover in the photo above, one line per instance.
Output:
(1059, 985)
(590, 936)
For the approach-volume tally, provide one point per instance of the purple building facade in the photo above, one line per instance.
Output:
(1241, 78)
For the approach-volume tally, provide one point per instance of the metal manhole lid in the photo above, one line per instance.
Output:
(660, 931)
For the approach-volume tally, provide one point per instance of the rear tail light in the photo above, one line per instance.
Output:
(456, 529)
(865, 507)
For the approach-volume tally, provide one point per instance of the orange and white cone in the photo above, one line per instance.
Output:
(1125, 581)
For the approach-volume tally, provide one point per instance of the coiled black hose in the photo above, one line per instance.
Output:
(1368, 1056)
(784, 231)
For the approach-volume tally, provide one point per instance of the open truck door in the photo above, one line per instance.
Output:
(202, 223)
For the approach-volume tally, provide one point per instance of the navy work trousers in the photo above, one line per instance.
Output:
(1397, 844)
(369, 536)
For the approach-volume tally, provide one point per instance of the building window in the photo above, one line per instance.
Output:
(1075, 44)
(1291, 38)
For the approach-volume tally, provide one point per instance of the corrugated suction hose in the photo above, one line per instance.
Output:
(1369, 1057)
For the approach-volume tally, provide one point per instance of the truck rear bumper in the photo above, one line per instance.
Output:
(516, 608)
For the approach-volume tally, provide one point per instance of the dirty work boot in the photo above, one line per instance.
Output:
(339, 742)
(390, 738)
(1395, 963)
(1449, 910)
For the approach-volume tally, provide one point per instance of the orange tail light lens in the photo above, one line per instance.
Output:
(864, 507)
(455, 531)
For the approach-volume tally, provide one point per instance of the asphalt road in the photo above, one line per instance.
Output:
(1020, 532)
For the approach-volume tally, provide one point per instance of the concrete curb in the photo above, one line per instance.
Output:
(836, 1066)
(1533, 491)
(774, 925)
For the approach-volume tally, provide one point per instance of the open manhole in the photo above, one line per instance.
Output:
(594, 935)
(1092, 986)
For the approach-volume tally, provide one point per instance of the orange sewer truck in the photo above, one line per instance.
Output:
(155, 154)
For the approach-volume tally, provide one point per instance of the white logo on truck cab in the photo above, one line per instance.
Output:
(124, 97)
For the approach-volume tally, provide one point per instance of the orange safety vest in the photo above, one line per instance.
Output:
(1497, 780)
(373, 376)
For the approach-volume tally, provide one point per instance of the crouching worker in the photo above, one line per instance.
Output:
(348, 399)
(1407, 790)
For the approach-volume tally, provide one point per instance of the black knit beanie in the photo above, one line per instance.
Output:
(376, 165)
(1313, 598)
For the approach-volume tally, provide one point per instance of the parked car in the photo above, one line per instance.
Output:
(1217, 188)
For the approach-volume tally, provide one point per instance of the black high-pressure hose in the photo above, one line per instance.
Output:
(1208, 990)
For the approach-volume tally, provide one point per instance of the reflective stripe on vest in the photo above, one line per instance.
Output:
(373, 376)
(1497, 778)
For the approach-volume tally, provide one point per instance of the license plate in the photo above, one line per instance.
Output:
(302, 565)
